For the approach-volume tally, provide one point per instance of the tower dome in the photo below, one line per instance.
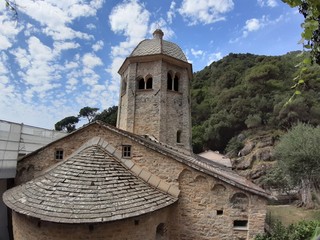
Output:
(158, 46)
(154, 97)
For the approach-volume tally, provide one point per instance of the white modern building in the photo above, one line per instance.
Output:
(17, 140)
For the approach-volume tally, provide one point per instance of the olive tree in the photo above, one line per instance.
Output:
(298, 155)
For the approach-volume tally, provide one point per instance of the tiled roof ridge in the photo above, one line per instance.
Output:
(90, 186)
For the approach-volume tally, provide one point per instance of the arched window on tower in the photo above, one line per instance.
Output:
(176, 83)
(149, 83)
(169, 81)
(140, 83)
(179, 136)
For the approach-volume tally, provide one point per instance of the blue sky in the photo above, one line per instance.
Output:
(61, 56)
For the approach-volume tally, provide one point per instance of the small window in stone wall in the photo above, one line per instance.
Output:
(141, 83)
(149, 83)
(219, 212)
(161, 231)
(58, 154)
(126, 151)
(124, 86)
(179, 136)
(176, 84)
(240, 224)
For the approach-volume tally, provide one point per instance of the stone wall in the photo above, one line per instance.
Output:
(147, 227)
(207, 208)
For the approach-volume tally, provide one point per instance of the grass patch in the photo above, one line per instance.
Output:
(289, 214)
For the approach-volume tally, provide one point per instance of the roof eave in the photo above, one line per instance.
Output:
(155, 57)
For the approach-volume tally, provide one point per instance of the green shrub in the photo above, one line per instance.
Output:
(234, 146)
(253, 121)
(304, 230)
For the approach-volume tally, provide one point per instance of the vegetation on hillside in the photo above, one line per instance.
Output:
(243, 91)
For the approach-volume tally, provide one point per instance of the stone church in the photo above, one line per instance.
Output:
(139, 180)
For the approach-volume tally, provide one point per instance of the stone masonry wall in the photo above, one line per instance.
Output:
(147, 101)
(157, 111)
(207, 207)
(177, 108)
(138, 228)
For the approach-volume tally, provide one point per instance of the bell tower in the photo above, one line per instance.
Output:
(155, 92)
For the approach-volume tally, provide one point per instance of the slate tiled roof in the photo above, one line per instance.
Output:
(158, 46)
(91, 186)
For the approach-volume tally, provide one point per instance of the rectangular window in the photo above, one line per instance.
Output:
(240, 224)
(219, 212)
(126, 151)
(59, 154)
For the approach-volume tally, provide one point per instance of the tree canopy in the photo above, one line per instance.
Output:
(67, 124)
(108, 116)
(88, 112)
(298, 155)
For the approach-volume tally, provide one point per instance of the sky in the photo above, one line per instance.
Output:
(60, 56)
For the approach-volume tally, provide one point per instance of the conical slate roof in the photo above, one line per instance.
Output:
(91, 186)
(158, 46)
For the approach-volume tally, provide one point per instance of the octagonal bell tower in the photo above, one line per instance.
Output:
(155, 92)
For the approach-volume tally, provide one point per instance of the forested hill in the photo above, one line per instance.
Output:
(244, 91)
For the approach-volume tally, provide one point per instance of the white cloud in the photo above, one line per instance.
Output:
(8, 31)
(196, 53)
(61, 46)
(91, 26)
(252, 25)
(172, 12)
(269, 3)
(43, 81)
(30, 30)
(71, 85)
(213, 57)
(3, 63)
(98, 46)
(205, 11)
(55, 16)
(60, 33)
(162, 24)
(90, 60)
(129, 19)
(38, 69)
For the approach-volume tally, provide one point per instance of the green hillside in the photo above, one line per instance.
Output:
(243, 91)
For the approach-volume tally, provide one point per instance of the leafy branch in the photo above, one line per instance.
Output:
(12, 7)
(310, 38)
